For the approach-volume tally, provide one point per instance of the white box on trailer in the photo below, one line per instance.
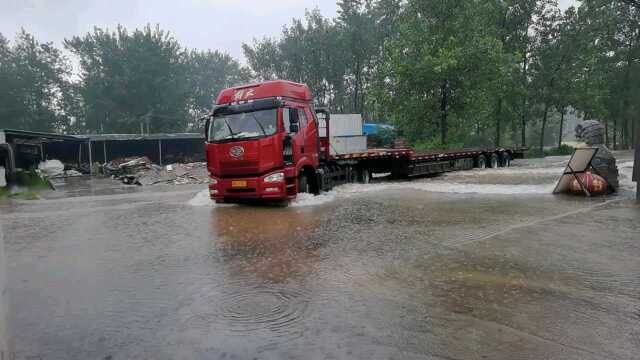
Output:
(348, 144)
(345, 125)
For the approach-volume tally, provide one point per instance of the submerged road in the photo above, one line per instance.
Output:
(483, 264)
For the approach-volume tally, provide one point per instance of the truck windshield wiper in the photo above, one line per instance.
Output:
(232, 134)
(261, 127)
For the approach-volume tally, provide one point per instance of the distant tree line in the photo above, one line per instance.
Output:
(126, 82)
(465, 73)
(447, 73)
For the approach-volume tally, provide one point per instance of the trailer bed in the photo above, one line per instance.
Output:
(406, 162)
(413, 155)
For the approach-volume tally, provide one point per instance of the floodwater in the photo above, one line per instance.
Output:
(483, 264)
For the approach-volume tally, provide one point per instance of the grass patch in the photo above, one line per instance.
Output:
(436, 145)
(26, 195)
(29, 183)
(561, 151)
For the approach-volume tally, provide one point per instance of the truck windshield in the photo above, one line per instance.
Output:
(244, 125)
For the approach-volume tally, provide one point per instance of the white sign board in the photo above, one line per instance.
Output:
(579, 163)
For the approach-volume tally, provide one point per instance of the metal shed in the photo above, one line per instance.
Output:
(21, 149)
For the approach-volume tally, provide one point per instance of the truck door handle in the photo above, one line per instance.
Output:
(302, 149)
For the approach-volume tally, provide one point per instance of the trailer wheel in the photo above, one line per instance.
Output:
(482, 162)
(303, 183)
(365, 176)
(506, 159)
(495, 162)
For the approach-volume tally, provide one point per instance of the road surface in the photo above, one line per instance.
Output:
(483, 264)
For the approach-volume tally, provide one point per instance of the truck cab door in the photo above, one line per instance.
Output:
(310, 134)
(294, 148)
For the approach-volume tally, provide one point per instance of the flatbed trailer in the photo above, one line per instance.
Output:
(407, 163)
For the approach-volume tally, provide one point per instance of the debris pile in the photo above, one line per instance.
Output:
(126, 166)
(141, 171)
(51, 169)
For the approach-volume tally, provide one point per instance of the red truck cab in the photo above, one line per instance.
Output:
(262, 142)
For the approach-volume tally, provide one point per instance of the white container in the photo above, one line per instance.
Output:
(345, 125)
(348, 144)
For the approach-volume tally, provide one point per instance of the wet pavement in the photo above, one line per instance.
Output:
(482, 264)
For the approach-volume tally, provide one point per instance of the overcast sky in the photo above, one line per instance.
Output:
(202, 24)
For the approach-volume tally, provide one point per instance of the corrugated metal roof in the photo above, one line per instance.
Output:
(102, 137)
(125, 137)
(36, 134)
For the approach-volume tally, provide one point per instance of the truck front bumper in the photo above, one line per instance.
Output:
(247, 188)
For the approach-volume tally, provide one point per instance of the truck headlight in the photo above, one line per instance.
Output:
(277, 177)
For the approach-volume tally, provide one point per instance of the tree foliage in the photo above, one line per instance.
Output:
(32, 81)
(446, 73)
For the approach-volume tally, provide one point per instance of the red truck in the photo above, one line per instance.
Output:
(267, 142)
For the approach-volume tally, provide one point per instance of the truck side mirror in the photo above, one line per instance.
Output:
(294, 128)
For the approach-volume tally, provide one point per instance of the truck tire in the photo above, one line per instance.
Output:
(365, 176)
(303, 184)
(494, 162)
(505, 158)
(482, 162)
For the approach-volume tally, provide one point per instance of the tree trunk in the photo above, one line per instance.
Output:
(498, 122)
(561, 128)
(444, 89)
(525, 64)
(634, 133)
(615, 135)
(524, 122)
(544, 125)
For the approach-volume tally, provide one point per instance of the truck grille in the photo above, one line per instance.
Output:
(239, 164)
(241, 190)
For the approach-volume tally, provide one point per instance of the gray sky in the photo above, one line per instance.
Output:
(202, 24)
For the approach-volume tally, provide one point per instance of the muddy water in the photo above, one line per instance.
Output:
(472, 265)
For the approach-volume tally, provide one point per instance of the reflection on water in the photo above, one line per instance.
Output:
(268, 242)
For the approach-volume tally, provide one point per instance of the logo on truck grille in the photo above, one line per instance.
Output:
(236, 151)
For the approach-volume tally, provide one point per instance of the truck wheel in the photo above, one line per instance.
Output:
(494, 163)
(506, 159)
(482, 162)
(365, 176)
(303, 184)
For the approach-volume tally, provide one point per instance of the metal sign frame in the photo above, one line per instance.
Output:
(579, 163)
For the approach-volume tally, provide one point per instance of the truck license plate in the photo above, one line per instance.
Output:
(239, 184)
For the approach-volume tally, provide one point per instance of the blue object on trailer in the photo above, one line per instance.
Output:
(371, 128)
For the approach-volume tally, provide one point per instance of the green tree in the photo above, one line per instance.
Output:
(132, 80)
(447, 69)
(208, 72)
(32, 77)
